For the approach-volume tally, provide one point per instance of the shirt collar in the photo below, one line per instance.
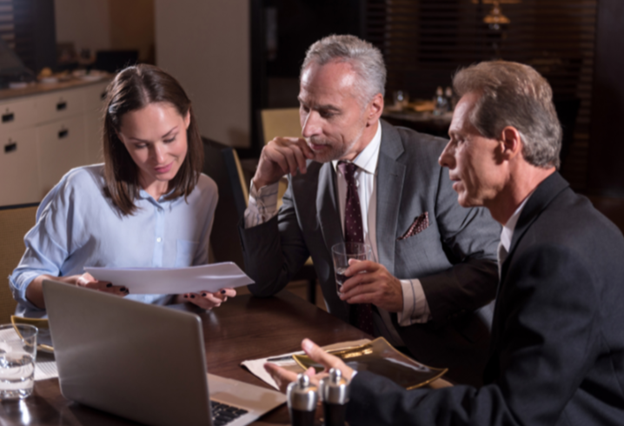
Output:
(145, 196)
(367, 159)
(510, 226)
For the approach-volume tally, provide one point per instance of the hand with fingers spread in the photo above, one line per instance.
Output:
(279, 157)
(370, 282)
(283, 377)
(86, 280)
(206, 299)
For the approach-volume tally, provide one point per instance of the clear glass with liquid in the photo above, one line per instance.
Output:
(18, 350)
(342, 253)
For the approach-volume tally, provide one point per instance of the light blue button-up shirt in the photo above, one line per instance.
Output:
(78, 226)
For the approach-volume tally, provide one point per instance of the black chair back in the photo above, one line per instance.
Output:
(221, 164)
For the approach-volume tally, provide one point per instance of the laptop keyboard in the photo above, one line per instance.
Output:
(222, 414)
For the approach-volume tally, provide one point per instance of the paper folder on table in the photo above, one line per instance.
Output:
(381, 358)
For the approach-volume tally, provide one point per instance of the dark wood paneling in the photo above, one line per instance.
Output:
(44, 34)
(425, 41)
(28, 27)
(606, 149)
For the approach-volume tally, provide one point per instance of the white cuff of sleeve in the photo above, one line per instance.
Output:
(415, 306)
(262, 204)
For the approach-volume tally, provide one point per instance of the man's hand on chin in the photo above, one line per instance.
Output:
(279, 157)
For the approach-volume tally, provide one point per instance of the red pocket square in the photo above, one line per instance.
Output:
(420, 224)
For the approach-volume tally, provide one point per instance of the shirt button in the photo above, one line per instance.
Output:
(158, 239)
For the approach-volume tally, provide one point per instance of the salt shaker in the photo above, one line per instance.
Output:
(302, 398)
(335, 396)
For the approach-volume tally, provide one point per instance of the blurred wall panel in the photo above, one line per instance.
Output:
(606, 149)
(205, 45)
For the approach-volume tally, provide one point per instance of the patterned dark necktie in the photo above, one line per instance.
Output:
(355, 234)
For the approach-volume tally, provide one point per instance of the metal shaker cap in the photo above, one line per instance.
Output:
(335, 388)
(301, 394)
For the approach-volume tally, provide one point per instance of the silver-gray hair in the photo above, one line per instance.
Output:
(516, 95)
(366, 60)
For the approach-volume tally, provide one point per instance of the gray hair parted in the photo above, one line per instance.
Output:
(366, 60)
(514, 94)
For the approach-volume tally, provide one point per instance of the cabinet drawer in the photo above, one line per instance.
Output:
(19, 175)
(61, 147)
(17, 115)
(95, 96)
(61, 104)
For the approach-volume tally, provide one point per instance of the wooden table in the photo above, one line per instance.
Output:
(243, 328)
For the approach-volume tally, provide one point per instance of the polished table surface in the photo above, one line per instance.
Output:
(243, 328)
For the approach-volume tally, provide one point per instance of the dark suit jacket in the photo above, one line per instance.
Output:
(558, 331)
(454, 257)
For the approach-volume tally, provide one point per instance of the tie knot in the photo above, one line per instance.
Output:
(347, 169)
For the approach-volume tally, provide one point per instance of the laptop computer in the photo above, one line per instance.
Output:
(143, 362)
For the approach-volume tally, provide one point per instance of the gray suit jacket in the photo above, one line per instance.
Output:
(453, 257)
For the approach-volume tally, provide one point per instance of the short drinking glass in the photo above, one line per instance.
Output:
(18, 349)
(342, 252)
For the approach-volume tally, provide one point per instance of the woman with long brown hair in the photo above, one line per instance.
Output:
(148, 205)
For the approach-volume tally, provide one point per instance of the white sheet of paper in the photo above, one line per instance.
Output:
(256, 366)
(45, 370)
(193, 279)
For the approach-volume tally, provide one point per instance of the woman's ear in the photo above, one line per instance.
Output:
(187, 119)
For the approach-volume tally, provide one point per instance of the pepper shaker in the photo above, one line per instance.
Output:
(302, 398)
(335, 396)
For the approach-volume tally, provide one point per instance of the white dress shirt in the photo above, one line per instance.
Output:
(510, 226)
(263, 206)
(507, 234)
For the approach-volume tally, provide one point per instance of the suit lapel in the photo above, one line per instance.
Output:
(540, 199)
(544, 194)
(327, 207)
(390, 177)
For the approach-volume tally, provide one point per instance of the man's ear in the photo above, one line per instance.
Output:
(511, 143)
(374, 109)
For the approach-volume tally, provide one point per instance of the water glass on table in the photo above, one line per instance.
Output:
(342, 253)
(18, 350)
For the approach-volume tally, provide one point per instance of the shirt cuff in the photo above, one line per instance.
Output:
(18, 288)
(262, 204)
(415, 306)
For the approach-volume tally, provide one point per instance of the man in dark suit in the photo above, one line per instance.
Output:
(436, 260)
(557, 341)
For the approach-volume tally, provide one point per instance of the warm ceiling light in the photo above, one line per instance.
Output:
(495, 1)
(495, 18)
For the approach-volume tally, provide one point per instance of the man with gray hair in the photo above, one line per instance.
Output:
(557, 339)
(356, 178)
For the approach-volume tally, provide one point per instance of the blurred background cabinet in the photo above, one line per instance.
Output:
(45, 134)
